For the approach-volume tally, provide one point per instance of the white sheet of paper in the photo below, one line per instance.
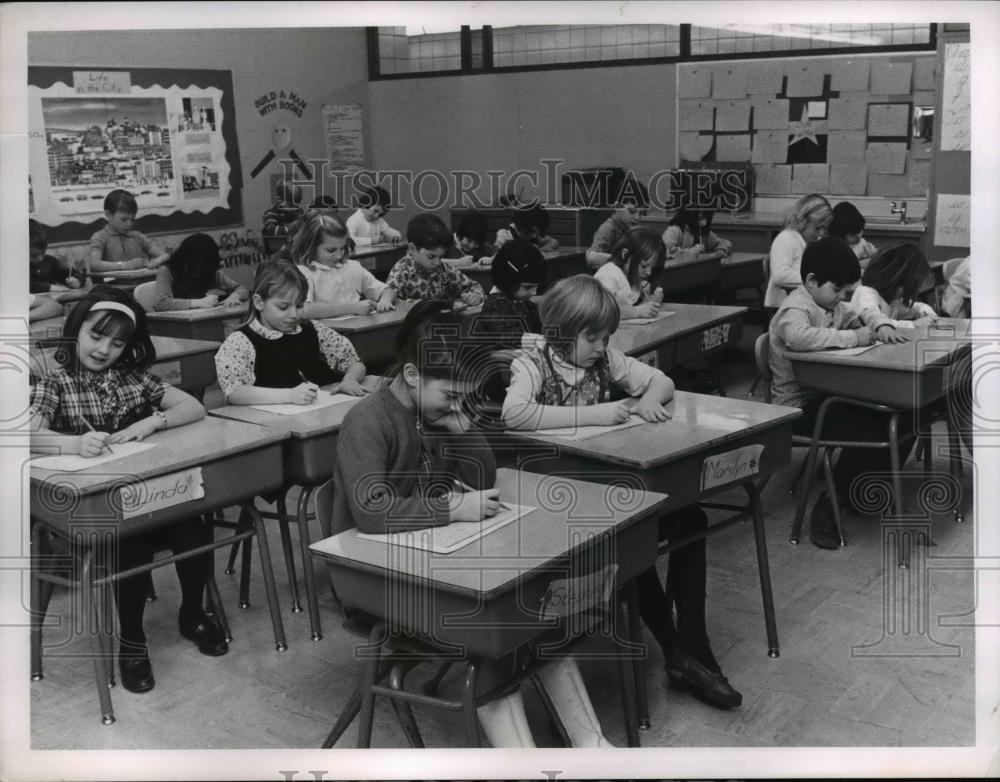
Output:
(323, 399)
(444, 540)
(574, 433)
(75, 463)
(852, 351)
(641, 321)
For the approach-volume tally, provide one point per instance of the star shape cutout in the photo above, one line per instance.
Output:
(803, 129)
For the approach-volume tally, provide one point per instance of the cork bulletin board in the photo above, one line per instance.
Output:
(837, 125)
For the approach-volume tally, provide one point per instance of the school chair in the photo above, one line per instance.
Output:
(143, 293)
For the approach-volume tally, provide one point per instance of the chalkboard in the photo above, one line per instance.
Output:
(168, 136)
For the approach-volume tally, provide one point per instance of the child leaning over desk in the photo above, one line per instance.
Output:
(635, 258)
(406, 459)
(117, 246)
(192, 279)
(569, 381)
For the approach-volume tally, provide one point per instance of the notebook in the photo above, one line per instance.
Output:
(458, 534)
(574, 433)
(643, 321)
(323, 399)
(75, 463)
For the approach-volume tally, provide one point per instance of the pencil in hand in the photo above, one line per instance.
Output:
(92, 429)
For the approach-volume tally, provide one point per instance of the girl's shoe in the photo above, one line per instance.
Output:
(710, 687)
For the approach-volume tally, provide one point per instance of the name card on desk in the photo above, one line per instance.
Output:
(138, 499)
(715, 336)
(722, 468)
(568, 596)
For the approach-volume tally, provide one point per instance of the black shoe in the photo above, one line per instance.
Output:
(206, 634)
(822, 528)
(710, 687)
(137, 671)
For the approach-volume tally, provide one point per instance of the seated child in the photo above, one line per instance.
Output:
(338, 285)
(634, 259)
(689, 237)
(367, 225)
(42, 308)
(278, 357)
(849, 224)
(421, 273)
(117, 247)
(815, 317)
(530, 223)
(285, 210)
(885, 299)
(956, 300)
(192, 279)
(632, 205)
(567, 380)
(508, 311)
(805, 222)
(46, 272)
(470, 240)
(408, 460)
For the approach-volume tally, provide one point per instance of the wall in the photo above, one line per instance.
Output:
(511, 121)
(321, 65)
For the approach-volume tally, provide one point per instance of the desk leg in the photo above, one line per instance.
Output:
(307, 569)
(286, 548)
(374, 649)
(635, 637)
(897, 485)
(95, 631)
(469, 704)
(404, 714)
(764, 569)
(265, 566)
(625, 677)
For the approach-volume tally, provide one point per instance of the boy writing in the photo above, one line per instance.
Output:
(367, 225)
(630, 207)
(117, 247)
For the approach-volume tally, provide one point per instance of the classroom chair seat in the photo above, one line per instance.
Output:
(143, 293)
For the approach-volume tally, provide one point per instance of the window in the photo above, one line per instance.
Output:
(747, 38)
(548, 44)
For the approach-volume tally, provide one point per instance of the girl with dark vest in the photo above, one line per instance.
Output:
(276, 357)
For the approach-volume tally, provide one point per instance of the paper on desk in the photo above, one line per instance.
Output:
(323, 399)
(342, 317)
(458, 534)
(642, 321)
(574, 433)
(852, 351)
(75, 463)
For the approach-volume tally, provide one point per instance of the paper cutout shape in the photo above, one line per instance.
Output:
(74, 463)
(924, 72)
(773, 180)
(891, 78)
(764, 78)
(951, 220)
(694, 146)
(810, 178)
(803, 129)
(847, 147)
(732, 149)
(850, 113)
(888, 119)
(886, 157)
(887, 185)
(694, 82)
(850, 75)
(848, 179)
(733, 115)
(696, 115)
(919, 173)
(770, 114)
(804, 81)
(770, 146)
(729, 83)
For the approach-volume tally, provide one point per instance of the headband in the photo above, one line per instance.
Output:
(114, 305)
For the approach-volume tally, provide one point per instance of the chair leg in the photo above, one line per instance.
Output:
(638, 671)
(367, 711)
(431, 685)
(404, 714)
(215, 602)
(626, 680)
(312, 603)
(230, 564)
(150, 588)
(352, 709)
(756, 382)
(270, 589)
(247, 546)
(763, 569)
(955, 459)
(803, 498)
(469, 704)
(831, 489)
(40, 594)
(897, 483)
(286, 548)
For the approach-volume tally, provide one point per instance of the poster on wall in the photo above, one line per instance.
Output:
(167, 137)
(345, 148)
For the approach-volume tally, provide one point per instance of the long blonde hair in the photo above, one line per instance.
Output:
(810, 208)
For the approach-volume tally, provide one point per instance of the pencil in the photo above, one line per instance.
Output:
(465, 488)
(91, 428)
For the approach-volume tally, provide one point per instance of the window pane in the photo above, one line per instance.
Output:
(544, 44)
(420, 49)
(736, 38)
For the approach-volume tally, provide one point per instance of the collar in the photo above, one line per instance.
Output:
(259, 328)
(112, 231)
(316, 266)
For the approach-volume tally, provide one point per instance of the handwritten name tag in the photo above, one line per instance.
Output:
(116, 82)
(722, 468)
(568, 596)
(715, 336)
(144, 497)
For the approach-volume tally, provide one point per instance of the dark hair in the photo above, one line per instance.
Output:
(633, 192)
(427, 231)
(372, 196)
(271, 278)
(436, 340)
(194, 266)
(139, 353)
(288, 192)
(636, 244)
(323, 202)
(901, 266)
(37, 240)
(517, 262)
(120, 201)
(576, 305)
(533, 217)
(830, 260)
(473, 226)
(846, 220)
(688, 220)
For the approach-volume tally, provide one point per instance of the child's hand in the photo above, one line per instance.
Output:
(474, 505)
(926, 320)
(351, 387)
(456, 422)
(649, 309)
(610, 413)
(458, 305)
(470, 298)
(137, 431)
(384, 305)
(363, 307)
(395, 240)
(657, 296)
(207, 301)
(152, 263)
(887, 333)
(486, 260)
(72, 282)
(865, 336)
(651, 411)
(465, 260)
(303, 394)
(697, 249)
(91, 444)
(232, 300)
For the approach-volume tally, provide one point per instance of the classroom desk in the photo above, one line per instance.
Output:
(486, 596)
(213, 323)
(690, 275)
(694, 330)
(232, 461)
(380, 258)
(188, 364)
(742, 270)
(125, 279)
(49, 328)
(559, 263)
(307, 459)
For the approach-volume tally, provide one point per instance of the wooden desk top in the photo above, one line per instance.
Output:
(632, 338)
(500, 560)
(738, 259)
(132, 275)
(176, 449)
(700, 422)
(168, 348)
(377, 249)
(49, 327)
(376, 320)
(198, 315)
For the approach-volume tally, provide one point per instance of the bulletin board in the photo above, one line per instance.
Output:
(168, 136)
(833, 125)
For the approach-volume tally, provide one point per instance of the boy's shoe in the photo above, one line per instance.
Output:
(822, 528)
(203, 631)
(710, 687)
(136, 670)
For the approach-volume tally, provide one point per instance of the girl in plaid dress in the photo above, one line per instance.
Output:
(102, 395)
